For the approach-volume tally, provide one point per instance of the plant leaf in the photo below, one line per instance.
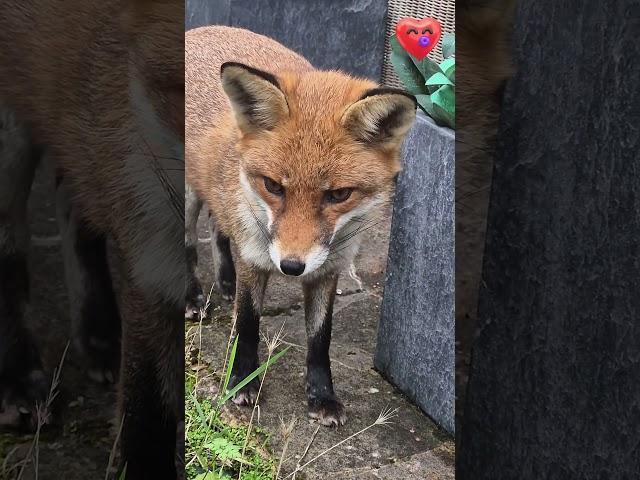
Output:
(448, 45)
(396, 47)
(444, 104)
(426, 66)
(252, 375)
(447, 65)
(425, 103)
(232, 359)
(438, 78)
(207, 476)
(224, 449)
(408, 74)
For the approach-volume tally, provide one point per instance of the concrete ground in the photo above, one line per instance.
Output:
(79, 441)
(412, 447)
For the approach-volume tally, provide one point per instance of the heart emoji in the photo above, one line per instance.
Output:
(418, 37)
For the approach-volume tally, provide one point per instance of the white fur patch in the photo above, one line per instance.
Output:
(315, 259)
(158, 237)
(254, 243)
(274, 253)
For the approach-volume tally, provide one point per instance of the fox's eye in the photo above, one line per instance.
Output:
(273, 187)
(338, 196)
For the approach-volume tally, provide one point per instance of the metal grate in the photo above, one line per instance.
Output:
(442, 10)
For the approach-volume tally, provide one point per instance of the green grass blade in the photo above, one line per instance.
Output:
(201, 416)
(251, 376)
(232, 359)
(123, 474)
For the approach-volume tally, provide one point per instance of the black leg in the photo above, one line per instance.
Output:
(95, 318)
(195, 297)
(323, 403)
(223, 267)
(152, 388)
(22, 380)
(250, 289)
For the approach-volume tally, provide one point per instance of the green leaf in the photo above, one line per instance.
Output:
(405, 68)
(232, 359)
(444, 104)
(207, 476)
(251, 376)
(425, 103)
(408, 74)
(396, 47)
(438, 78)
(445, 98)
(426, 66)
(224, 449)
(448, 45)
(447, 65)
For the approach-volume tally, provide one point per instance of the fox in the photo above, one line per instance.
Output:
(97, 88)
(293, 163)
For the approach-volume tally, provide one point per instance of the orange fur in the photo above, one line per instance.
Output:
(309, 152)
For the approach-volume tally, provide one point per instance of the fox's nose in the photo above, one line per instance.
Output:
(292, 266)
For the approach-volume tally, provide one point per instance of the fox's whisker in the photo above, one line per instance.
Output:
(175, 200)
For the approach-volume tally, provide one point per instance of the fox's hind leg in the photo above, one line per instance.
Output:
(95, 319)
(224, 272)
(195, 297)
(318, 308)
(22, 380)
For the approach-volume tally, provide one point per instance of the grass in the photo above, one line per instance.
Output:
(214, 447)
(219, 448)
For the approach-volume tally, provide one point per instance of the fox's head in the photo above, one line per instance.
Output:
(319, 153)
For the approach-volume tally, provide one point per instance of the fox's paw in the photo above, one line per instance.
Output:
(227, 288)
(102, 356)
(248, 396)
(327, 411)
(195, 300)
(20, 398)
(97, 339)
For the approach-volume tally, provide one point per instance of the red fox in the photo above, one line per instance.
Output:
(98, 86)
(293, 164)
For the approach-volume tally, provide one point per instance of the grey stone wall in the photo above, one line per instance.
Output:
(415, 349)
(554, 388)
(347, 35)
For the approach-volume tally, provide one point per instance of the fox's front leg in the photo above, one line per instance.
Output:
(95, 318)
(22, 380)
(250, 287)
(318, 307)
(152, 386)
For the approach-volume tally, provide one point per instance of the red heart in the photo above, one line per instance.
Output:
(418, 37)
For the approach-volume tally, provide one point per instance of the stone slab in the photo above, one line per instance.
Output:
(417, 329)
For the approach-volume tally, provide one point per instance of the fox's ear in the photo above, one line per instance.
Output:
(381, 117)
(256, 98)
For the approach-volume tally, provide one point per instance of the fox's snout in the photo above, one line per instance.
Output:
(292, 266)
(297, 263)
